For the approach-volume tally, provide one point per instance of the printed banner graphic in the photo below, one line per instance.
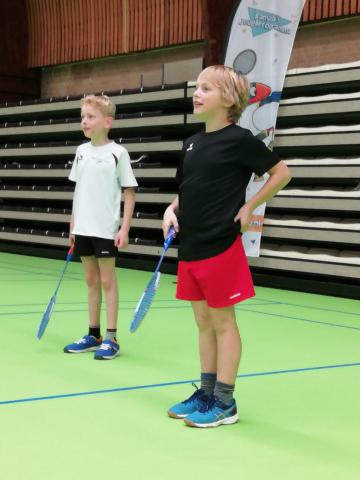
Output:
(259, 42)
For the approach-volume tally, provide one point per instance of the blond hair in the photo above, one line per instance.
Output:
(101, 102)
(234, 88)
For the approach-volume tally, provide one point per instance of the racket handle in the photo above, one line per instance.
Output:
(170, 236)
(70, 253)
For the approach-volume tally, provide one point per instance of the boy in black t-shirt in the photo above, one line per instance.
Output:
(209, 213)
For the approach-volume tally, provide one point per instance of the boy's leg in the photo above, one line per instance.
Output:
(109, 284)
(93, 340)
(109, 349)
(207, 350)
(92, 276)
(207, 337)
(228, 343)
(221, 406)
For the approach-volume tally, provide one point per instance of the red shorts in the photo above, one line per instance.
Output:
(222, 280)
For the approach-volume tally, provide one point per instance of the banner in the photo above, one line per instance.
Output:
(258, 44)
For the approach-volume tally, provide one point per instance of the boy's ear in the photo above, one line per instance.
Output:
(227, 103)
(109, 122)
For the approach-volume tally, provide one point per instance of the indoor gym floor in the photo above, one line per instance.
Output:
(68, 416)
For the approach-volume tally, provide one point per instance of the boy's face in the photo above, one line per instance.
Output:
(94, 123)
(207, 98)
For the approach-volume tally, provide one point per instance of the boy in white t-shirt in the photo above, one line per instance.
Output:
(101, 169)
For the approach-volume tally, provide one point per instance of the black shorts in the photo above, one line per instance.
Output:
(94, 246)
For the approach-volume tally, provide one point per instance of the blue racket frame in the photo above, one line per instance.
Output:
(149, 293)
(47, 314)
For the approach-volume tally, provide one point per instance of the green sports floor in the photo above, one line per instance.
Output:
(69, 417)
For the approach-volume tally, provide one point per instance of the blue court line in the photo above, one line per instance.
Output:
(169, 384)
(50, 273)
(23, 275)
(17, 266)
(154, 307)
(300, 319)
(78, 276)
(268, 302)
(132, 302)
(135, 300)
(312, 307)
(25, 278)
(131, 307)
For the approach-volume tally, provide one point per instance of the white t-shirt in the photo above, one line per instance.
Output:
(99, 173)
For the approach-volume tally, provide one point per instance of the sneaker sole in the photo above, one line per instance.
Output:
(91, 349)
(223, 421)
(174, 415)
(107, 358)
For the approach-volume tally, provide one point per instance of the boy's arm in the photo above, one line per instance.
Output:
(122, 237)
(170, 216)
(71, 236)
(280, 176)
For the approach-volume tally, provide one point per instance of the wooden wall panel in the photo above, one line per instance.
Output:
(315, 10)
(16, 80)
(62, 31)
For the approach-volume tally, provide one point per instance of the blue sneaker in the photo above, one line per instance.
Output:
(108, 350)
(213, 414)
(87, 343)
(190, 405)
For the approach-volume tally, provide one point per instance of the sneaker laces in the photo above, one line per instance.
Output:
(208, 404)
(198, 392)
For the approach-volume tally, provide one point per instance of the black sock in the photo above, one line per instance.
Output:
(95, 332)
(224, 392)
(208, 383)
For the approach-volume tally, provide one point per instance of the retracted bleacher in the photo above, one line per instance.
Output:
(312, 228)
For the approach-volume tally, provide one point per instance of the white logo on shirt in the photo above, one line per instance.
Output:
(190, 147)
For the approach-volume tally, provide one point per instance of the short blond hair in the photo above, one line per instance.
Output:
(101, 102)
(234, 88)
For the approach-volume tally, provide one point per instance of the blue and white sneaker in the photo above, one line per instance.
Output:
(190, 405)
(87, 343)
(213, 414)
(108, 350)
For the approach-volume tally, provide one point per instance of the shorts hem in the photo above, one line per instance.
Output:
(225, 304)
(231, 302)
(187, 299)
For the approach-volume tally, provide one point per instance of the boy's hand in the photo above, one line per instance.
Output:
(71, 228)
(121, 239)
(169, 219)
(244, 216)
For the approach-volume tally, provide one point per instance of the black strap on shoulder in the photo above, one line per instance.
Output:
(116, 159)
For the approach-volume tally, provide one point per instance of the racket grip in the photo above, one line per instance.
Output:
(70, 253)
(170, 237)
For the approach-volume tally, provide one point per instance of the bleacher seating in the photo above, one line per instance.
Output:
(312, 227)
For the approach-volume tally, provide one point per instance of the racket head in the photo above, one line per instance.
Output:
(46, 317)
(145, 301)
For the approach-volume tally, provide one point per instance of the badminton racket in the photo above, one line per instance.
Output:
(140, 159)
(147, 297)
(47, 314)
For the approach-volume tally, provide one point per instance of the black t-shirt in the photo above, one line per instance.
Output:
(213, 175)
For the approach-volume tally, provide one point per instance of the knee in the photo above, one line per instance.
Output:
(108, 282)
(224, 325)
(92, 280)
(204, 323)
